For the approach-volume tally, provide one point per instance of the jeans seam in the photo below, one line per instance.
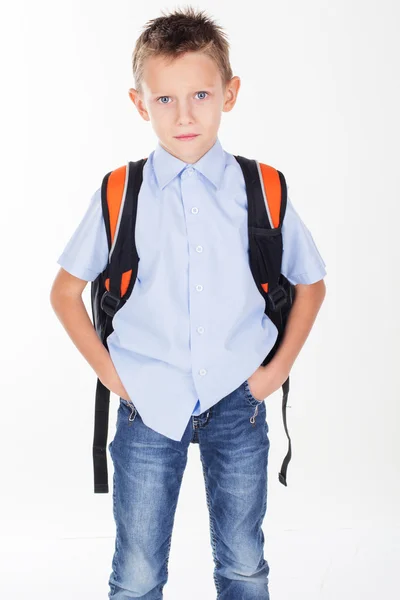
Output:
(115, 558)
(212, 530)
(165, 565)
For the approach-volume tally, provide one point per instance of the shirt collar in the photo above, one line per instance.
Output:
(211, 165)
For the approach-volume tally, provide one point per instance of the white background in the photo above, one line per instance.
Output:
(319, 100)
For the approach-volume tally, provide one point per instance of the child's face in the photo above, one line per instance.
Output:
(172, 99)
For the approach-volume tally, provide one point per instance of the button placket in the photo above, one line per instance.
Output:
(189, 171)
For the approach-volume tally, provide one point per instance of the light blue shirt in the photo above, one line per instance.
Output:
(194, 327)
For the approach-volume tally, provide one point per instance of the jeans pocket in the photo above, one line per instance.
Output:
(249, 396)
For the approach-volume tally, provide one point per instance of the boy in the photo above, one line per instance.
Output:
(186, 350)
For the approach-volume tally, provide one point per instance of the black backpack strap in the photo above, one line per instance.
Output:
(111, 289)
(99, 449)
(120, 211)
(286, 460)
(267, 200)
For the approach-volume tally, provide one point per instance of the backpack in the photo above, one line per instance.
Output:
(267, 197)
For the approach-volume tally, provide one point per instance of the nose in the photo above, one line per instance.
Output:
(185, 115)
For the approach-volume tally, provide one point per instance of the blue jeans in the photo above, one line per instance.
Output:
(148, 469)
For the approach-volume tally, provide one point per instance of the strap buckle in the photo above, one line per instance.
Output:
(109, 303)
(277, 298)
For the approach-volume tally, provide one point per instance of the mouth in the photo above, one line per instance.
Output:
(186, 136)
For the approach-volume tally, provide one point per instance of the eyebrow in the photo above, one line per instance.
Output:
(212, 87)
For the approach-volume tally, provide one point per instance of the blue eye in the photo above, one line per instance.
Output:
(161, 97)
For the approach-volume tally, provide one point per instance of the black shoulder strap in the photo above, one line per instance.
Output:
(266, 202)
(112, 288)
(123, 257)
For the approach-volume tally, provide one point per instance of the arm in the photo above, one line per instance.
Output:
(66, 301)
(306, 304)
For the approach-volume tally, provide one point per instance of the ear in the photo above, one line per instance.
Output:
(138, 101)
(231, 92)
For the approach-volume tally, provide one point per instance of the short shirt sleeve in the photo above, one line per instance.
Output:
(86, 253)
(301, 260)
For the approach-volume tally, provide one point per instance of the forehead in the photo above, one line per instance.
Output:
(188, 70)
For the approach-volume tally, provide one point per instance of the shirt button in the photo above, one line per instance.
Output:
(200, 329)
(199, 288)
(202, 372)
(190, 171)
(195, 210)
(199, 248)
